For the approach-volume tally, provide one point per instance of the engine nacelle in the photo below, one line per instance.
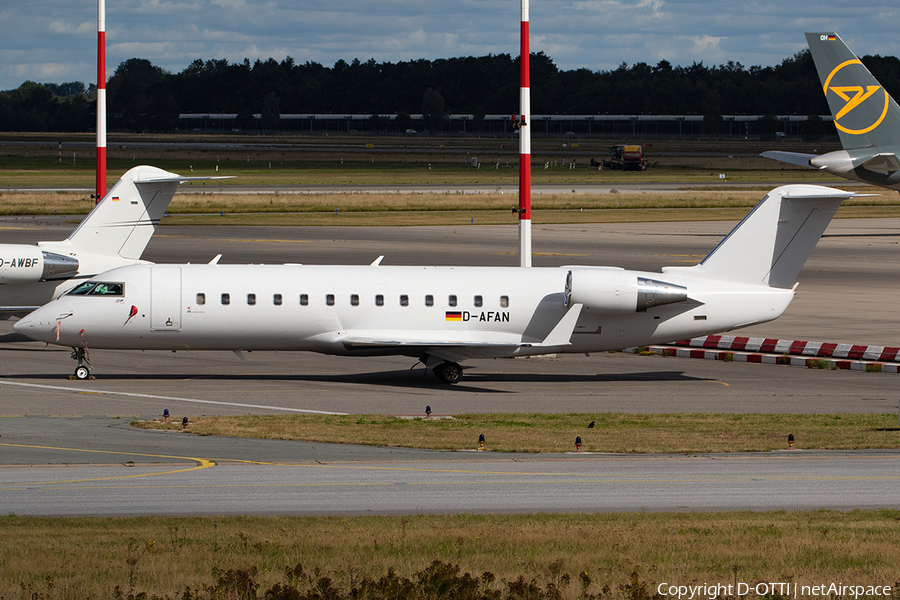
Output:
(20, 263)
(615, 291)
(838, 162)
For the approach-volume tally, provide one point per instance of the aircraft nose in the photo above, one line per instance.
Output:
(23, 325)
(36, 327)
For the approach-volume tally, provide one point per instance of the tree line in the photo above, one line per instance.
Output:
(144, 97)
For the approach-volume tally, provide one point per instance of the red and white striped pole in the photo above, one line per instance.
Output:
(101, 100)
(524, 144)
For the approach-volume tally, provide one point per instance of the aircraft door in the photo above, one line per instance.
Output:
(165, 298)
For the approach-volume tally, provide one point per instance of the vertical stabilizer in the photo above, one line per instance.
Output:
(864, 113)
(124, 221)
(773, 242)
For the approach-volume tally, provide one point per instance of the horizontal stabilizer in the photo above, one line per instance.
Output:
(792, 158)
(773, 242)
(179, 179)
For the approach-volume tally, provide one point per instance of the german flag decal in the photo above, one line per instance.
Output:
(453, 316)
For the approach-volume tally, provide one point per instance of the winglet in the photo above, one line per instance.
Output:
(562, 333)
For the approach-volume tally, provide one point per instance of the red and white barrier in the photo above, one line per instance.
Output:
(776, 359)
(794, 348)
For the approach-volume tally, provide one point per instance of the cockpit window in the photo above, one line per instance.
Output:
(82, 288)
(98, 288)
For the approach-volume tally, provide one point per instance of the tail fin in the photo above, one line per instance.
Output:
(125, 220)
(864, 113)
(772, 243)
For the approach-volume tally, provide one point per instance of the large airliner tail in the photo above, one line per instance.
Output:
(773, 242)
(864, 113)
(123, 222)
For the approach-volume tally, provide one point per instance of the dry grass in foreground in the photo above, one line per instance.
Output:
(556, 556)
(612, 432)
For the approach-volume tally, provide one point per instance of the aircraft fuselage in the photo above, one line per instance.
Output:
(354, 310)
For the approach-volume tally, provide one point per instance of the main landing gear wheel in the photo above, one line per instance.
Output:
(448, 372)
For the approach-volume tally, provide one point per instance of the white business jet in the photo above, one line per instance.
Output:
(115, 233)
(444, 315)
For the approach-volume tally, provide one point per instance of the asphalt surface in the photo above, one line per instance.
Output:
(847, 295)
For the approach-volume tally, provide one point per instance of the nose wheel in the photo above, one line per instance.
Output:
(83, 370)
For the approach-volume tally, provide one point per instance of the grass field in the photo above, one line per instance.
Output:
(612, 432)
(395, 209)
(615, 556)
(350, 160)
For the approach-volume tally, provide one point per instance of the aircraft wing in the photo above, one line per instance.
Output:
(455, 350)
(467, 344)
(793, 158)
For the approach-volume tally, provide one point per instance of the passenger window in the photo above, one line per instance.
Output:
(404, 300)
(201, 299)
(479, 301)
(504, 301)
(451, 300)
(354, 299)
(251, 299)
(276, 299)
(429, 300)
(329, 299)
(226, 299)
(379, 300)
(304, 299)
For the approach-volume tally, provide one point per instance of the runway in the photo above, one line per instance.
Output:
(847, 294)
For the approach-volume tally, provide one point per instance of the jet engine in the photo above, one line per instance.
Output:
(838, 162)
(27, 264)
(616, 291)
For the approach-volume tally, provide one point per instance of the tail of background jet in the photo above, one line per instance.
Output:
(864, 113)
(772, 243)
(124, 221)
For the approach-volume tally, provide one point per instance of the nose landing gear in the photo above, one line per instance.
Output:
(83, 370)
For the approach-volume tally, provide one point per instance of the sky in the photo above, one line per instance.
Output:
(55, 41)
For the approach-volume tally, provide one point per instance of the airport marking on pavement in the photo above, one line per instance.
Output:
(171, 398)
(202, 463)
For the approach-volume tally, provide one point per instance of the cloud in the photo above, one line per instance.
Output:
(64, 28)
(43, 36)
